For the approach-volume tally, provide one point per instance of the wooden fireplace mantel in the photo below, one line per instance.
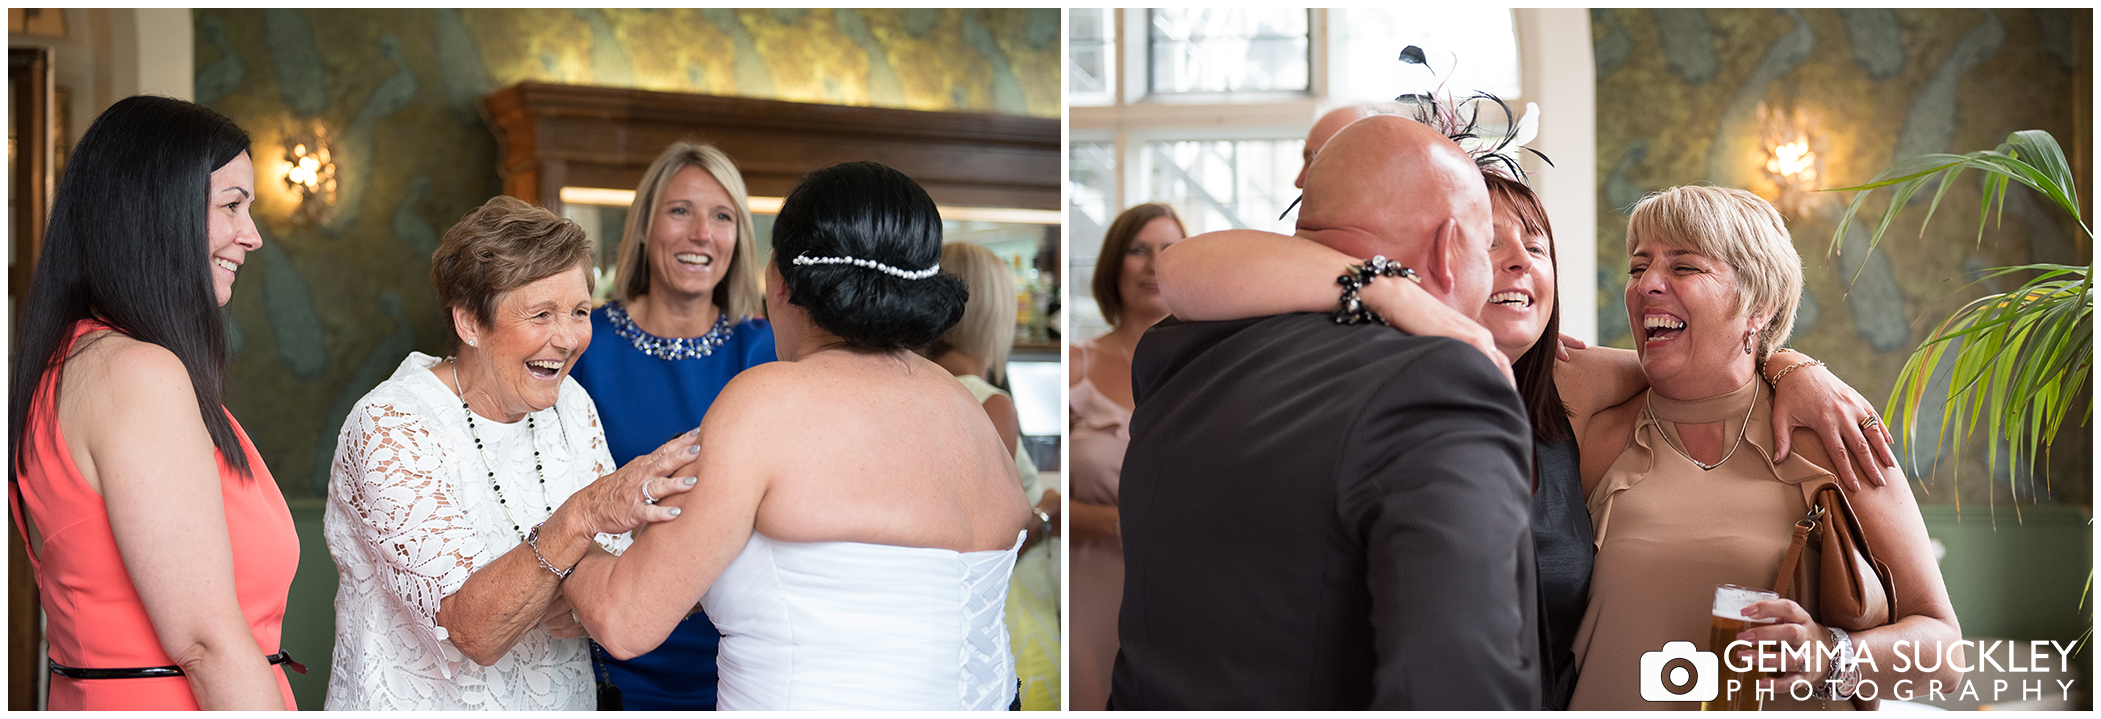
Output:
(556, 136)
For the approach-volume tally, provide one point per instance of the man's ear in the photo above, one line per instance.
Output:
(1438, 262)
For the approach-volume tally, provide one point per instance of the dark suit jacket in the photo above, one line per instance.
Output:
(1318, 516)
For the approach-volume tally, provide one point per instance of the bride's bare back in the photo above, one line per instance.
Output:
(876, 448)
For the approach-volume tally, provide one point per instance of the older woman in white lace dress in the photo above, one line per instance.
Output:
(465, 489)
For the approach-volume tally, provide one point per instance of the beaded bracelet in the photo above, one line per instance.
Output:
(1352, 310)
(532, 539)
(1775, 379)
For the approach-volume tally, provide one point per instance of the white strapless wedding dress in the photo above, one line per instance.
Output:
(846, 625)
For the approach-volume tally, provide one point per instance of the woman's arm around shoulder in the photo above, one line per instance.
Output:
(158, 475)
(1235, 274)
(630, 603)
(1809, 395)
(1593, 379)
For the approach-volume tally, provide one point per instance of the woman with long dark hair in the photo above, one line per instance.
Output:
(163, 548)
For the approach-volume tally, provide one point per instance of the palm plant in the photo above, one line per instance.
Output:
(2017, 360)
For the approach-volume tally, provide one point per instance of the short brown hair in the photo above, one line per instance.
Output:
(1738, 228)
(501, 246)
(738, 294)
(1108, 266)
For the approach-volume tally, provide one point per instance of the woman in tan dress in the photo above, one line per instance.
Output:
(1682, 489)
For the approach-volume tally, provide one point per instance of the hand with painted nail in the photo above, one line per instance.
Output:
(630, 497)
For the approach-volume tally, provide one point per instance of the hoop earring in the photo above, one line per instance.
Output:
(1747, 342)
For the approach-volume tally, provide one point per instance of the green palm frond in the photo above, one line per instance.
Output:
(2016, 360)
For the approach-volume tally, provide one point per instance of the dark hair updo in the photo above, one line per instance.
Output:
(866, 211)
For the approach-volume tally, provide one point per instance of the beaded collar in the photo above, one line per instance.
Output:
(668, 348)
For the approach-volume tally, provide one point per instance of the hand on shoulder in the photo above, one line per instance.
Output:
(1893, 490)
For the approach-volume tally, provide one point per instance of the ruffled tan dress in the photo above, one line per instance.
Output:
(1668, 532)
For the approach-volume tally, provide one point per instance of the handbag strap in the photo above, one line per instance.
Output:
(1784, 584)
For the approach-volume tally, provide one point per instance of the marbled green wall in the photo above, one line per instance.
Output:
(1677, 99)
(329, 307)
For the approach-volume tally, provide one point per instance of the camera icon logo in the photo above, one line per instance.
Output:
(1679, 673)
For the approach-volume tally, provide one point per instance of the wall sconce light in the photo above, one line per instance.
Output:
(310, 172)
(1790, 142)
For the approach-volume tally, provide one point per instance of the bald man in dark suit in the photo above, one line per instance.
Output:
(1320, 516)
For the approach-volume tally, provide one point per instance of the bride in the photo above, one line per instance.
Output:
(856, 508)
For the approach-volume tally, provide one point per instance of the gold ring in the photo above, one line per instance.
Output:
(1870, 422)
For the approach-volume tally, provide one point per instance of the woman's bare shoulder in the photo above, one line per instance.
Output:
(764, 385)
(1076, 369)
(114, 364)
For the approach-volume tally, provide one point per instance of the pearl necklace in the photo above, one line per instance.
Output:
(1705, 467)
(490, 465)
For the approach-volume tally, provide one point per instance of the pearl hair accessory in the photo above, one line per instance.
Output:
(805, 259)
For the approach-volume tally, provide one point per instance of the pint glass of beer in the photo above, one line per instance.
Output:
(1738, 689)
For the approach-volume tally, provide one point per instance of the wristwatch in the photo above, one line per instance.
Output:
(1842, 678)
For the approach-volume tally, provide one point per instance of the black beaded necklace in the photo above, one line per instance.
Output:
(534, 432)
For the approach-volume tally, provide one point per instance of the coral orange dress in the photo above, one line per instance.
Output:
(94, 617)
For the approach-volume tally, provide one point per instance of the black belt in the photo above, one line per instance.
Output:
(282, 657)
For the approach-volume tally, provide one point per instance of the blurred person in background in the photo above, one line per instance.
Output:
(974, 349)
(1128, 292)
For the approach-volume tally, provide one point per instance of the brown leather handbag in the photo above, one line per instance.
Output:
(1831, 571)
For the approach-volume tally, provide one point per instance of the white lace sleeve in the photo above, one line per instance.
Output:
(409, 515)
(599, 453)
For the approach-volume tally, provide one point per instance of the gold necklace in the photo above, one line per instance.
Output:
(1705, 467)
